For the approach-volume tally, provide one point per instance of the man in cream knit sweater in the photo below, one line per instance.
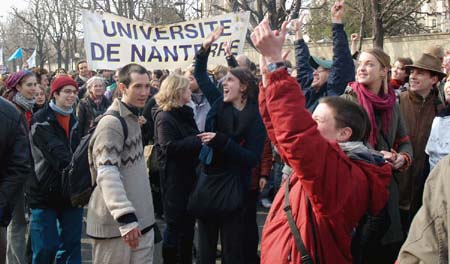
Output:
(120, 216)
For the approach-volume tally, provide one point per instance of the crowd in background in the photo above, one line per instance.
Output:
(350, 155)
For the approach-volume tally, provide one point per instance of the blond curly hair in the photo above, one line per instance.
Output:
(171, 92)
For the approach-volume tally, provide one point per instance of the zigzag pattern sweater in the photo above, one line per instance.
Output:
(120, 173)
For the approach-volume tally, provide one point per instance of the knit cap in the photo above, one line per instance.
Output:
(60, 82)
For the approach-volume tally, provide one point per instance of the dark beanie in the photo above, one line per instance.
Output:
(60, 82)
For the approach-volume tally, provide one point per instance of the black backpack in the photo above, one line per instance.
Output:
(76, 177)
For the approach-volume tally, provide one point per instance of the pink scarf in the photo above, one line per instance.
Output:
(383, 103)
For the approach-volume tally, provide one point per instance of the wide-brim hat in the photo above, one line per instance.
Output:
(428, 62)
(316, 62)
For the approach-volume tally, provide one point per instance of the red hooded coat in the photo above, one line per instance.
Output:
(340, 190)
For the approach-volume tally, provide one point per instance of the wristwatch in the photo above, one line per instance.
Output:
(271, 67)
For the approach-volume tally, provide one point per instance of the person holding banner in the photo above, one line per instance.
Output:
(234, 139)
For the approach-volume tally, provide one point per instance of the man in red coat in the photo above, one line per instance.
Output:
(336, 178)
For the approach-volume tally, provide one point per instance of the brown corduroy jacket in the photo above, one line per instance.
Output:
(418, 113)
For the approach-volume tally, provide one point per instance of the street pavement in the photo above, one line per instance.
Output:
(86, 247)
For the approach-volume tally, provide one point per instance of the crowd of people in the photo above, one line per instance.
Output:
(350, 155)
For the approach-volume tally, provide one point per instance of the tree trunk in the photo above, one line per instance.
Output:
(361, 29)
(107, 6)
(67, 51)
(130, 9)
(296, 9)
(377, 30)
(59, 56)
(272, 11)
(40, 53)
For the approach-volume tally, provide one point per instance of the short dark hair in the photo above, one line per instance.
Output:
(406, 61)
(158, 73)
(39, 72)
(79, 62)
(349, 114)
(127, 70)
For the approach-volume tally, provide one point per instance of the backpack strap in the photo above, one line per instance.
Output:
(122, 121)
(306, 259)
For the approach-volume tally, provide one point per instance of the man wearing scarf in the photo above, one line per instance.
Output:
(55, 224)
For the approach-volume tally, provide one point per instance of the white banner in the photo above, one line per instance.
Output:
(32, 60)
(112, 41)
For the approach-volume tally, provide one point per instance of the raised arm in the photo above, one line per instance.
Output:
(231, 60)
(296, 134)
(343, 69)
(302, 55)
(200, 68)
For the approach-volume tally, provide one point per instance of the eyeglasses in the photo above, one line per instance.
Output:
(69, 91)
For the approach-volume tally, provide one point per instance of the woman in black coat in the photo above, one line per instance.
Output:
(236, 135)
(92, 105)
(177, 146)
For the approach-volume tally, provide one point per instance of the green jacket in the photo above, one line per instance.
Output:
(398, 139)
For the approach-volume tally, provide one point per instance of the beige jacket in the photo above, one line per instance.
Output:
(120, 172)
(427, 240)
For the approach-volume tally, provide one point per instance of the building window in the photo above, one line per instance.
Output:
(433, 23)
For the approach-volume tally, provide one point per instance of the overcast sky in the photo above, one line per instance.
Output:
(6, 5)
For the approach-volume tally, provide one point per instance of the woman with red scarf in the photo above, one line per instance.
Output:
(389, 136)
(21, 89)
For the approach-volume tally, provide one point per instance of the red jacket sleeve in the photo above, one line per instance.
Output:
(266, 161)
(264, 114)
(322, 167)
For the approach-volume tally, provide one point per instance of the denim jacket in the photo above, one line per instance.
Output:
(341, 73)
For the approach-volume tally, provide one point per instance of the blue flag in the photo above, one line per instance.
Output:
(16, 55)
